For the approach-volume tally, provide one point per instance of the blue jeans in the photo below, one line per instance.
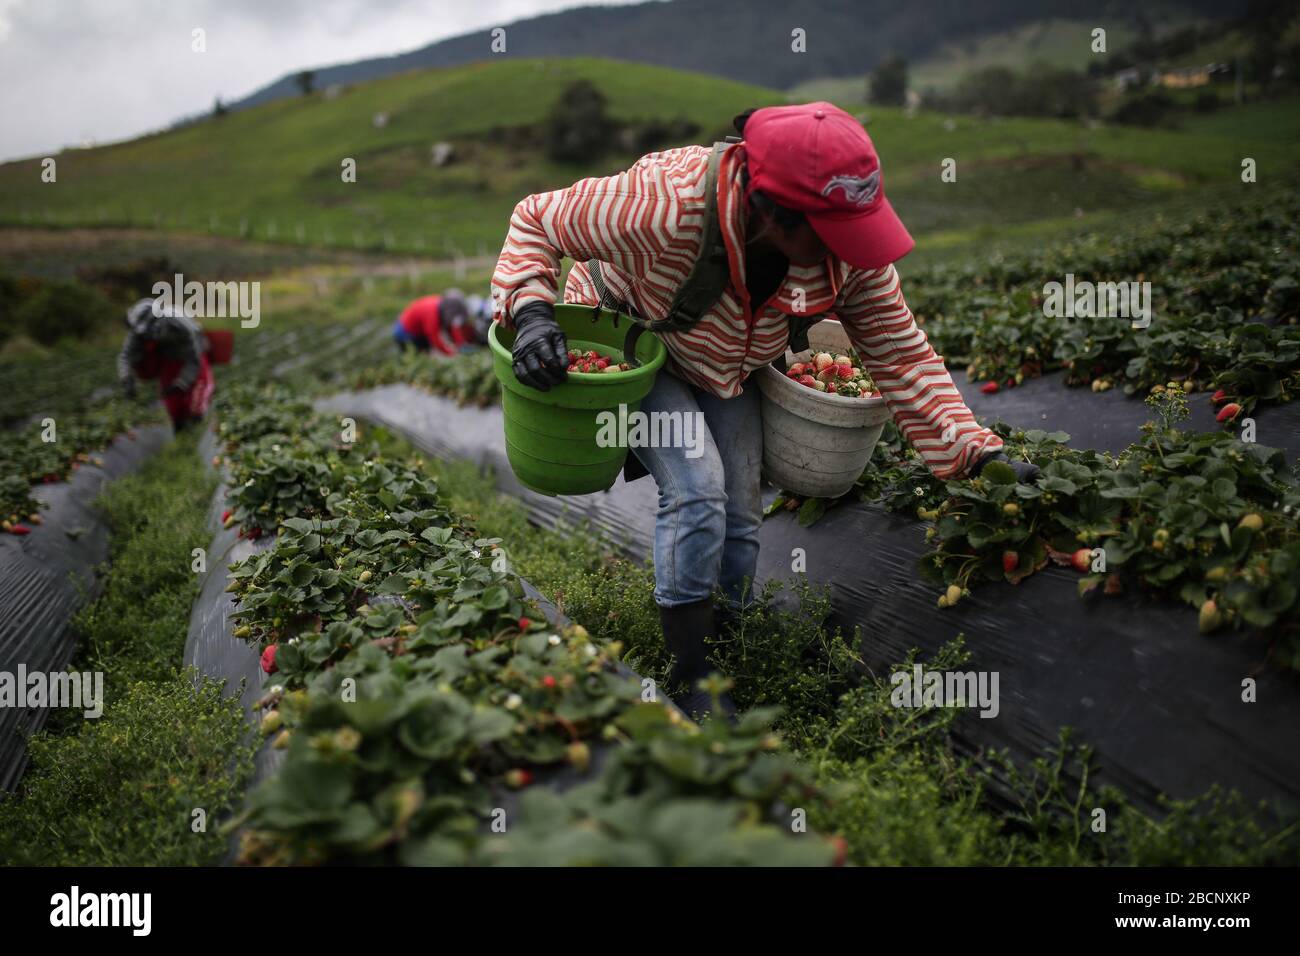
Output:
(710, 507)
(404, 339)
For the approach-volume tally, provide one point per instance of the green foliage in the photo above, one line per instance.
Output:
(888, 780)
(462, 694)
(135, 629)
(1194, 516)
(578, 128)
(65, 309)
(27, 458)
(1225, 301)
(468, 379)
(888, 83)
(122, 790)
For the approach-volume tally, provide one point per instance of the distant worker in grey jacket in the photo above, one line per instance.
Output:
(166, 344)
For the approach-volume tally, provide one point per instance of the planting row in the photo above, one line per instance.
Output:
(907, 783)
(1225, 298)
(467, 378)
(416, 692)
(1200, 517)
(50, 451)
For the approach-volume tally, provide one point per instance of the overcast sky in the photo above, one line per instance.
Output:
(75, 71)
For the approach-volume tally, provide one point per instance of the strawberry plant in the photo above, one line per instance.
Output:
(1200, 517)
(468, 378)
(1224, 299)
(413, 687)
(26, 458)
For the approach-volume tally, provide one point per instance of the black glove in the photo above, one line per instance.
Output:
(1026, 472)
(174, 390)
(540, 354)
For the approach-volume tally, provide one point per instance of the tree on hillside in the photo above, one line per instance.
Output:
(578, 128)
(888, 84)
(306, 82)
(219, 108)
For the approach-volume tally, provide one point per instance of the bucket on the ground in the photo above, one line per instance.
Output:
(551, 437)
(816, 444)
(221, 346)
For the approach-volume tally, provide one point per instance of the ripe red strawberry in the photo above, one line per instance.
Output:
(1219, 397)
(20, 529)
(225, 516)
(525, 624)
(1228, 412)
(988, 388)
(807, 380)
(1010, 561)
(841, 851)
(268, 659)
(1081, 560)
(548, 681)
(844, 371)
(1010, 383)
(797, 369)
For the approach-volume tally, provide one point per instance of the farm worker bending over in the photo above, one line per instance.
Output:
(432, 322)
(165, 343)
(805, 230)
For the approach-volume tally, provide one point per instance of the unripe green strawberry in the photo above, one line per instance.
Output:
(579, 755)
(1251, 522)
(1210, 617)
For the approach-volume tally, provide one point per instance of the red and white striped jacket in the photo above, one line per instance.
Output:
(645, 227)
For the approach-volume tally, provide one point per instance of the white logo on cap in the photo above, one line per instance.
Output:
(860, 192)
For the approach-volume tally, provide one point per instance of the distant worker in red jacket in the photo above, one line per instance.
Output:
(433, 322)
(165, 343)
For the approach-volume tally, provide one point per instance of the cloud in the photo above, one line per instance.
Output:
(78, 71)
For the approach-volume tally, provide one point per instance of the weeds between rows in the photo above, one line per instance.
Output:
(894, 787)
(121, 789)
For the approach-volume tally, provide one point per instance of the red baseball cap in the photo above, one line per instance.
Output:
(818, 160)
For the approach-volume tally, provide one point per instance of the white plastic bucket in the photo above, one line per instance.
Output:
(816, 444)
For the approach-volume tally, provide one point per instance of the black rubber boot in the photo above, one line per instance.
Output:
(685, 628)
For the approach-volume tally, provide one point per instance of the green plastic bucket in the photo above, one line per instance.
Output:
(551, 436)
